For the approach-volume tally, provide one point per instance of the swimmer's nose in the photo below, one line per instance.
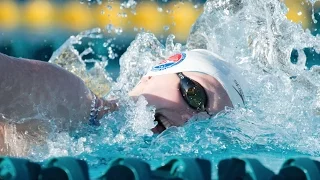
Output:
(139, 88)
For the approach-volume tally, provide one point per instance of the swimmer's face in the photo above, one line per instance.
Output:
(163, 93)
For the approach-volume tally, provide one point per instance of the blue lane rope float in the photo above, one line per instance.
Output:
(303, 168)
(17, 169)
(186, 168)
(69, 168)
(127, 168)
(235, 168)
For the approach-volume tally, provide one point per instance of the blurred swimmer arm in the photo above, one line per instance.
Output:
(39, 90)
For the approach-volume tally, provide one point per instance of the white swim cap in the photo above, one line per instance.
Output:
(204, 61)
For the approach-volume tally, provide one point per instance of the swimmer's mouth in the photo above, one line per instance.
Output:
(162, 124)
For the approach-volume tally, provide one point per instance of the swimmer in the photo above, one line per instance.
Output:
(181, 86)
(189, 83)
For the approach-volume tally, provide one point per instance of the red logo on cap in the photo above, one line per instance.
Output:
(171, 61)
(174, 58)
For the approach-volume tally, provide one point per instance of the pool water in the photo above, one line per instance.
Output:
(282, 115)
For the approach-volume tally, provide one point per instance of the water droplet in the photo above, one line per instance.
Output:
(90, 44)
(109, 28)
(226, 11)
(118, 31)
(166, 28)
(299, 13)
(123, 15)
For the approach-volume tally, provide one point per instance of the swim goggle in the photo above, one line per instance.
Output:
(193, 93)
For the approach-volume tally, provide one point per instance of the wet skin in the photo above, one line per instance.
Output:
(163, 93)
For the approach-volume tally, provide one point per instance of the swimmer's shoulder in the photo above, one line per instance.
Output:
(9, 61)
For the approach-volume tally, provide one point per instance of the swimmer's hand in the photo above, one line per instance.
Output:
(107, 106)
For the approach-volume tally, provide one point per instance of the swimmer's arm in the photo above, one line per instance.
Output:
(36, 89)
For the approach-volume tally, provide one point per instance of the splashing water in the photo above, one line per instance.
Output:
(256, 36)
(69, 58)
(282, 117)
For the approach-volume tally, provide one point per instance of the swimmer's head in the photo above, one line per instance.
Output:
(217, 83)
(204, 61)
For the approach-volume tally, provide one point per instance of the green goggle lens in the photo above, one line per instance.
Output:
(193, 93)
